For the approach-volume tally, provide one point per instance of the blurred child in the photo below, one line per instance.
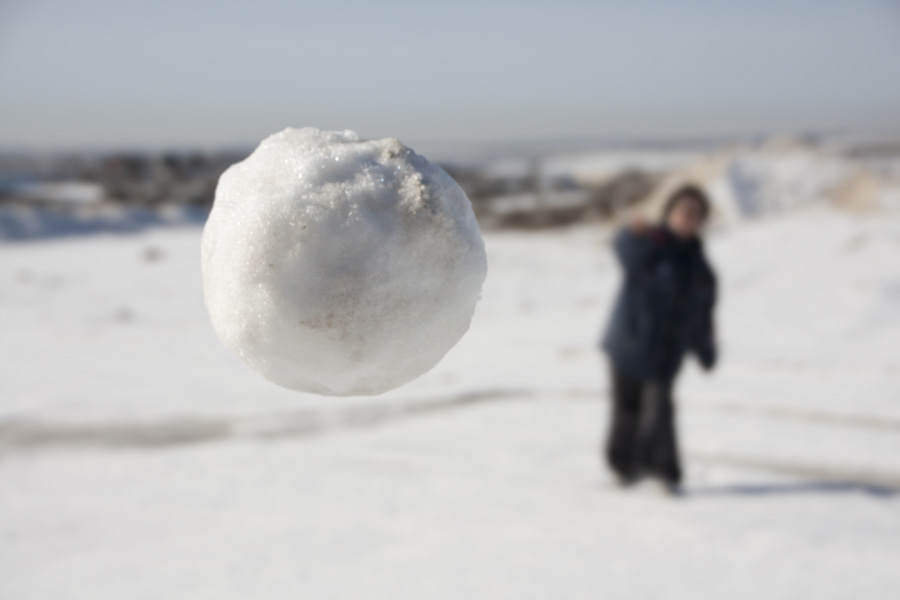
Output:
(663, 311)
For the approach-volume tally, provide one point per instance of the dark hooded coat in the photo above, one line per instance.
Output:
(665, 306)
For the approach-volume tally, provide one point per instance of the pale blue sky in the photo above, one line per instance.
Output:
(100, 73)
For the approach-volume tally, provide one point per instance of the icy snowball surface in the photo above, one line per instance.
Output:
(340, 266)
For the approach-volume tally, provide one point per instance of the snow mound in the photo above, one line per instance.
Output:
(340, 266)
(759, 183)
(748, 183)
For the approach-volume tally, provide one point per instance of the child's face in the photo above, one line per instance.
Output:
(686, 218)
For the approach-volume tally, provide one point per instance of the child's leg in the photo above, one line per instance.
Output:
(658, 441)
(621, 441)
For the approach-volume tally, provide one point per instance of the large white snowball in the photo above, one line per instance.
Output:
(340, 266)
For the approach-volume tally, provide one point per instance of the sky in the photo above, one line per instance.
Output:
(126, 74)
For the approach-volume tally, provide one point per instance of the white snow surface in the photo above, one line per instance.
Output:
(139, 459)
(340, 266)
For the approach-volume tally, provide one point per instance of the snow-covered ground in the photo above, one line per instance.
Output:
(141, 459)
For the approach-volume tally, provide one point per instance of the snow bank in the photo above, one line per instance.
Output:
(340, 266)
(748, 183)
(759, 183)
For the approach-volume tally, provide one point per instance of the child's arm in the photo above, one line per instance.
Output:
(635, 247)
(704, 341)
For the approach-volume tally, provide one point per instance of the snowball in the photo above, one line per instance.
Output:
(340, 266)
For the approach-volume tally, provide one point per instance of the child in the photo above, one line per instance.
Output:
(663, 311)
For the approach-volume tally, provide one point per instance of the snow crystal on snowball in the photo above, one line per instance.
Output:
(340, 266)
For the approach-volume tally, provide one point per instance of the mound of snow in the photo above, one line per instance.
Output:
(340, 266)
(761, 183)
(748, 183)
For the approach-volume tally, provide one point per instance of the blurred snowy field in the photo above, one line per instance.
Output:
(140, 459)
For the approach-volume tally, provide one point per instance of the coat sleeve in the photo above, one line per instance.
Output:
(634, 251)
(703, 343)
(705, 348)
